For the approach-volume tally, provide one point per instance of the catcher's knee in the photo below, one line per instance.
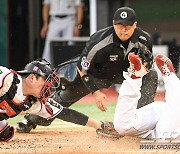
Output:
(6, 133)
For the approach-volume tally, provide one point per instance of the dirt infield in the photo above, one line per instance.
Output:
(84, 141)
(69, 141)
(75, 140)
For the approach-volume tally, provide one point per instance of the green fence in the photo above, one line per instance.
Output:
(3, 33)
(156, 10)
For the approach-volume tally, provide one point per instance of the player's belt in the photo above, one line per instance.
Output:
(62, 16)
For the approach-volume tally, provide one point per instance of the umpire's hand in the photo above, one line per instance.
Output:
(100, 99)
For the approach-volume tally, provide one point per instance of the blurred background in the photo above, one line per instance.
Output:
(21, 22)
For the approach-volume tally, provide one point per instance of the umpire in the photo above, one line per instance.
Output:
(101, 64)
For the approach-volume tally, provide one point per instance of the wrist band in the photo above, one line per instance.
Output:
(89, 83)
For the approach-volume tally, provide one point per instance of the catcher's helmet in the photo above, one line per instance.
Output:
(42, 68)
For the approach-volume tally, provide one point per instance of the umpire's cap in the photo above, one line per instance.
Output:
(125, 15)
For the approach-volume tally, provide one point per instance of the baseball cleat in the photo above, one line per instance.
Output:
(136, 69)
(164, 64)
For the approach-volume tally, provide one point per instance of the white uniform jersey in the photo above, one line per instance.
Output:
(62, 7)
(6, 78)
(45, 110)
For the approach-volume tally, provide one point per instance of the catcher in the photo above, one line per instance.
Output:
(157, 120)
(30, 90)
(22, 90)
(101, 64)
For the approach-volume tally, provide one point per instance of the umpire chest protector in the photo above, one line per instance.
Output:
(9, 104)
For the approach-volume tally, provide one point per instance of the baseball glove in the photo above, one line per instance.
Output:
(107, 130)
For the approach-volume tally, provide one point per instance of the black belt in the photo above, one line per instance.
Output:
(61, 16)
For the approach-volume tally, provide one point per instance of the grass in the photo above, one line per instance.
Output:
(89, 109)
(92, 111)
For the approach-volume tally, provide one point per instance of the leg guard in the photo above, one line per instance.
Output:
(30, 122)
(148, 89)
(6, 133)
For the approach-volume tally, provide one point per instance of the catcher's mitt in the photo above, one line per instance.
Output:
(107, 130)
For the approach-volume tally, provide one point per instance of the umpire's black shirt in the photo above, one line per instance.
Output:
(105, 55)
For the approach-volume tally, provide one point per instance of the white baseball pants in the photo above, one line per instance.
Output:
(58, 27)
(151, 120)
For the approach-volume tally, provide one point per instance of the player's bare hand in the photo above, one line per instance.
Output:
(44, 31)
(101, 100)
(2, 111)
(76, 31)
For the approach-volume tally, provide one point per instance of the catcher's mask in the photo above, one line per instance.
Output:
(50, 85)
(42, 68)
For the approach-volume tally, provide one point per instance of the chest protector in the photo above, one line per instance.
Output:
(7, 103)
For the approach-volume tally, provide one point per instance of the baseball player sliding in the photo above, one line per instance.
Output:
(156, 120)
